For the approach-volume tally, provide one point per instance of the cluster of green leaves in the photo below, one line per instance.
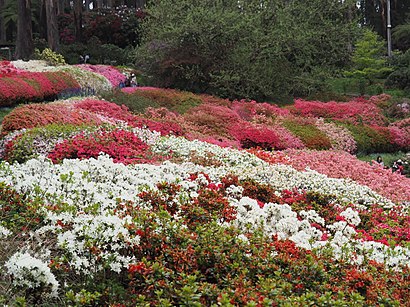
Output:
(400, 77)
(245, 49)
(51, 57)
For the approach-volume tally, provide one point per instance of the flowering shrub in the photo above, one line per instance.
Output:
(35, 86)
(197, 233)
(87, 79)
(255, 136)
(111, 73)
(211, 120)
(340, 137)
(357, 111)
(172, 99)
(247, 110)
(371, 139)
(130, 90)
(38, 141)
(37, 115)
(106, 109)
(308, 133)
(123, 146)
(339, 164)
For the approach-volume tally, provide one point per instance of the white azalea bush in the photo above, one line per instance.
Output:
(129, 223)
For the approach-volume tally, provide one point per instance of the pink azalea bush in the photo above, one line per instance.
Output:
(356, 111)
(340, 137)
(105, 108)
(339, 164)
(111, 73)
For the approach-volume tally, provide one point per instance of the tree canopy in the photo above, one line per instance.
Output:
(254, 49)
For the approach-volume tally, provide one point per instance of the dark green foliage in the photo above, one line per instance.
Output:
(244, 50)
(99, 53)
(400, 78)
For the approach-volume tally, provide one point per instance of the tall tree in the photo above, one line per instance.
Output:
(254, 49)
(52, 25)
(2, 23)
(78, 19)
(24, 43)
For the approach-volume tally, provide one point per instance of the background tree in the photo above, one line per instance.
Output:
(24, 42)
(253, 49)
(52, 25)
(2, 23)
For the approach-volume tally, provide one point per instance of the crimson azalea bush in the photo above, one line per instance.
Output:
(121, 145)
(255, 136)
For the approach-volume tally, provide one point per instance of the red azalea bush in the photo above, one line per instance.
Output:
(111, 73)
(17, 86)
(123, 146)
(36, 115)
(250, 135)
(356, 111)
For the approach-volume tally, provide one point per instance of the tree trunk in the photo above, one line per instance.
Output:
(24, 43)
(87, 5)
(78, 19)
(52, 25)
(43, 20)
(139, 4)
(2, 25)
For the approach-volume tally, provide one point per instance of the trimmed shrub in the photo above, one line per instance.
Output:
(38, 141)
(37, 115)
(308, 133)
(121, 145)
(371, 139)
